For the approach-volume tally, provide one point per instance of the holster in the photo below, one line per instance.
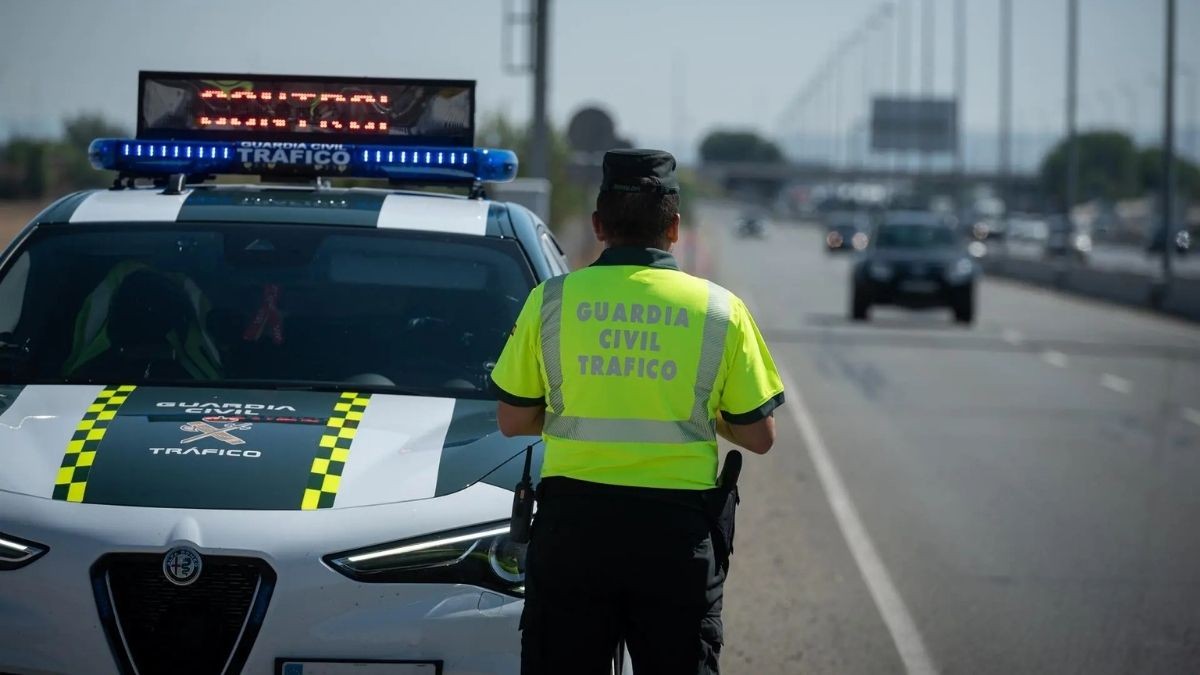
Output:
(720, 505)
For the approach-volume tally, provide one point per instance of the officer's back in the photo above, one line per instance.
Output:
(630, 369)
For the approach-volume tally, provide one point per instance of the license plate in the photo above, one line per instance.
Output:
(918, 286)
(298, 667)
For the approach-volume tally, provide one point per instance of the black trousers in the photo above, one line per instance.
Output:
(607, 564)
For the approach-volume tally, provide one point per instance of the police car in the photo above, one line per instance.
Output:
(247, 427)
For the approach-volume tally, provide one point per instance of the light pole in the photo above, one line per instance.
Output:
(889, 63)
(960, 77)
(903, 61)
(837, 107)
(928, 41)
(873, 22)
(887, 70)
(1072, 93)
(1168, 150)
(862, 40)
(539, 147)
(1005, 113)
(960, 92)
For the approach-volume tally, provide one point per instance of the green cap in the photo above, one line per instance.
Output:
(639, 170)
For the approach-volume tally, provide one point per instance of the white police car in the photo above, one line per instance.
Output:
(247, 428)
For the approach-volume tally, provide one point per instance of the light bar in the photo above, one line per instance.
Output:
(413, 164)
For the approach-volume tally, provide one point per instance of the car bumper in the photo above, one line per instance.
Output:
(916, 293)
(49, 620)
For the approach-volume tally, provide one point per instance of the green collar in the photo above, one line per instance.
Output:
(637, 255)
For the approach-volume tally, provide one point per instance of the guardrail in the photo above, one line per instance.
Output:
(1134, 289)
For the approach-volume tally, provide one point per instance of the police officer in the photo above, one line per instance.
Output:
(630, 369)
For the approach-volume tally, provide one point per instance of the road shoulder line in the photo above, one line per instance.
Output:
(888, 601)
(1192, 415)
(1116, 383)
(895, 614)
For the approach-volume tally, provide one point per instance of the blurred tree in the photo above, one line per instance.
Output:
(39, 168)
(1108, 168)
(24, 172)
(724, 145)
(81, 130)
(1187, 174)
(567, 199)
(69, 157)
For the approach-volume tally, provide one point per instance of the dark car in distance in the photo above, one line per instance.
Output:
(847, 231)
(914, 260)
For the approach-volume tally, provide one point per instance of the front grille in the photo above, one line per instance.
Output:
(156, 626)
(920, 270)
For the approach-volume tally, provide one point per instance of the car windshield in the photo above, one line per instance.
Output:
(260, 305)
(914, 236)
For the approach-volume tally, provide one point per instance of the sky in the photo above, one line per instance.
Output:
(667, 70)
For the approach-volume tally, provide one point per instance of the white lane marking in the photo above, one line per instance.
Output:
(127, 205)
(1012, 336)
(1192, 415)
(1116, 383)
(433, 214)
(887, 599)
(1055, 358)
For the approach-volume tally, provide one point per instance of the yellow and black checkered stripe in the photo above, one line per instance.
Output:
(71, 482)
(334, 450)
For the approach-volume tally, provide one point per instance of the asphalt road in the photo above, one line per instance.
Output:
(1019, 497)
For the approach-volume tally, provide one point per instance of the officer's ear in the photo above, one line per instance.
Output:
(598, 227)
(673, 229)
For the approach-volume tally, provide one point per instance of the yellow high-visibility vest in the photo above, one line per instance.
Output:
(632, 359)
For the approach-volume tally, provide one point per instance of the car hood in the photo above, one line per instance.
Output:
(928, 255)
(180, 447)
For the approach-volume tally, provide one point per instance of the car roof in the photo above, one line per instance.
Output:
(284, 204)
(307, 205)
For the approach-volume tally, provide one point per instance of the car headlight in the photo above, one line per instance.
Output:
(1083, 243)
(482, 555)
(15, 552)
(880, 271)
(859, 241)
(960, 271)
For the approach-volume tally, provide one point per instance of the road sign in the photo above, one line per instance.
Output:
(591, 130)
(921, 125)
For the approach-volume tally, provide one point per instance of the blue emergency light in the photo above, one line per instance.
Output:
(414, 164)
(200, 124)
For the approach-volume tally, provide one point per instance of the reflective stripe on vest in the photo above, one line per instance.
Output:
(699, 427)
(552, 294)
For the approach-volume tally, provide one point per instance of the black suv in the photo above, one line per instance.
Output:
(915, 259)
